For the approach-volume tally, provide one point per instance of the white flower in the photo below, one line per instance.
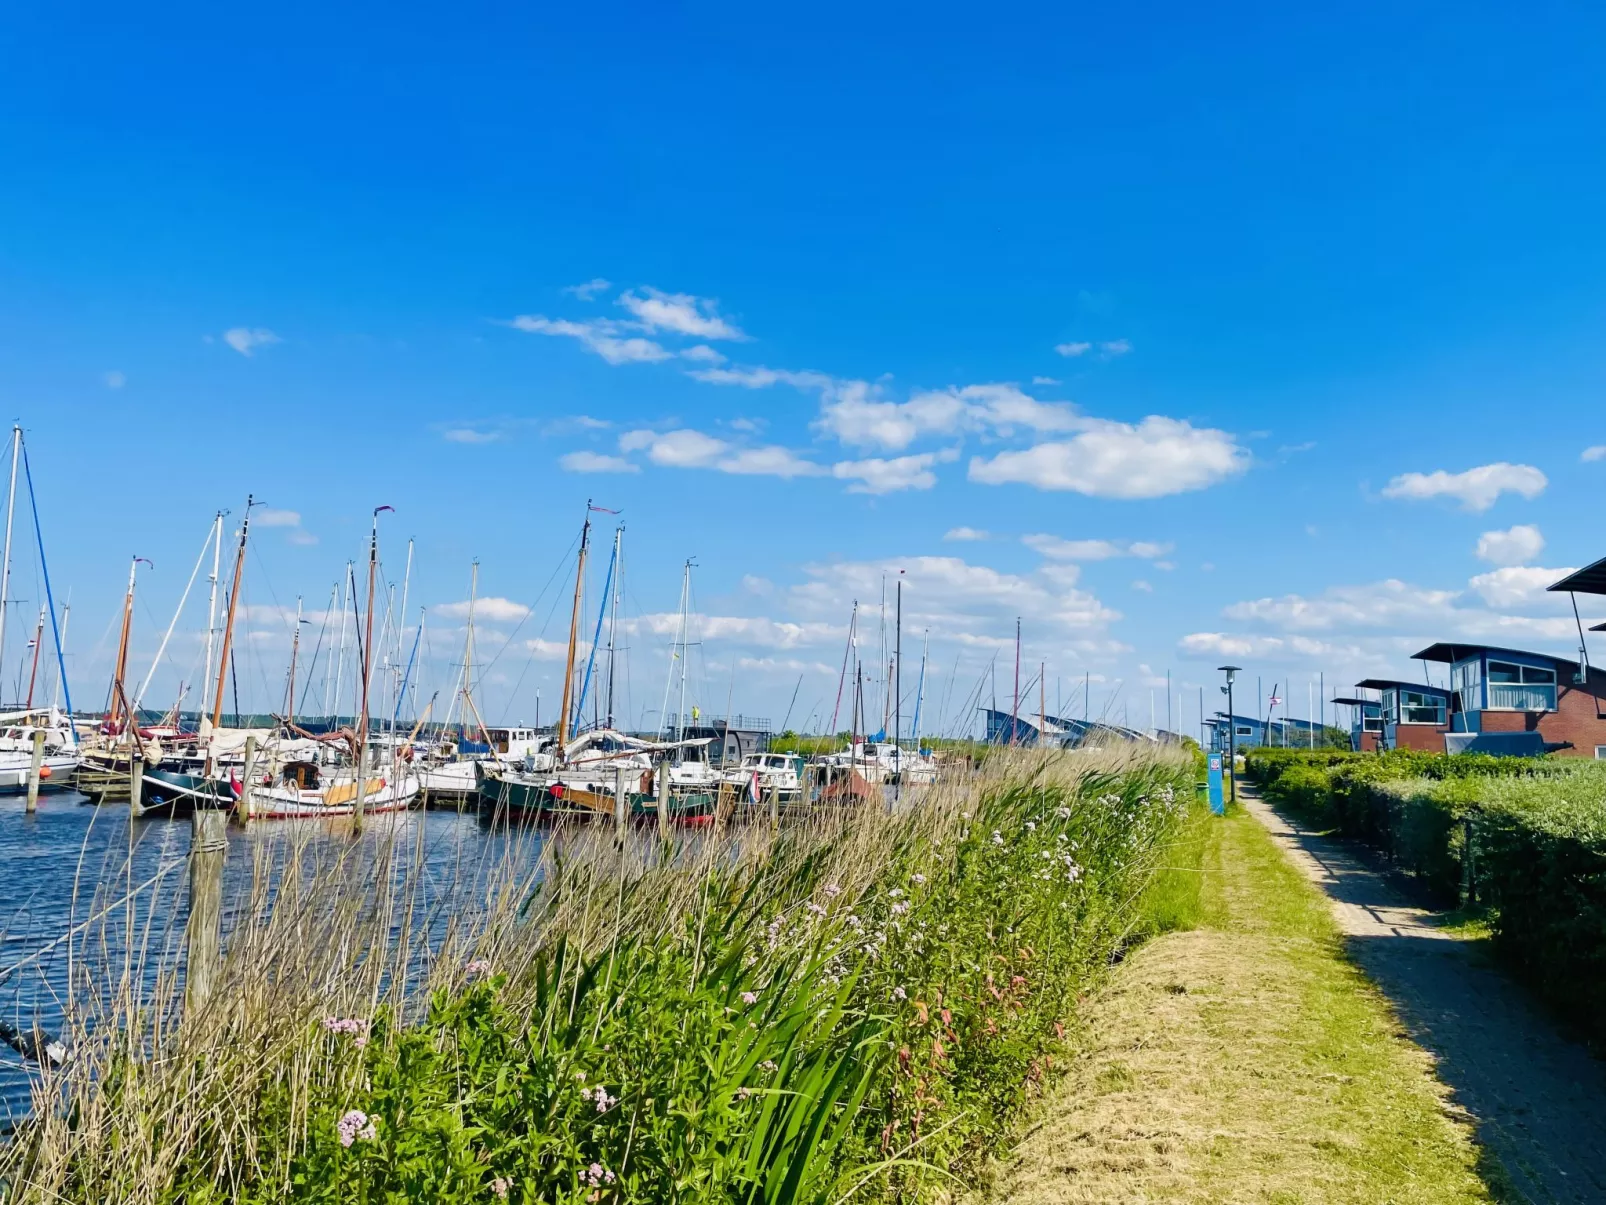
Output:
(918, 880)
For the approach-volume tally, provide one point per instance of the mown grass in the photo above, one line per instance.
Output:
(1244, 1059)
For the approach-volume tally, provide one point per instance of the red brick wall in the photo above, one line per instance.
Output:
(1428, 737)
(1574, 719)
(1368, 742)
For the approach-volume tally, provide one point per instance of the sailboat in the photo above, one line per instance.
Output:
(585, 774)
(62, 755)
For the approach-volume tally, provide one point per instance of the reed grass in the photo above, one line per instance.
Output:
(856, 1007)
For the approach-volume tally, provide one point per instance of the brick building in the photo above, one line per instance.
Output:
(1410, 715)
(1510, 701)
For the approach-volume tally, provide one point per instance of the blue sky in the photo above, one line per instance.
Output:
(1169, 303)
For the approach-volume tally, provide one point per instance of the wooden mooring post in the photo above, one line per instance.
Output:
(621, 806)
(663, 799)
(775, 807)
(33, 769)
(209, 844)
(242, 805)
(136, 780)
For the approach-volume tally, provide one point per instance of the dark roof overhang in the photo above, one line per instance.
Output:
(1400, 683)
(1447, 652)
(1591, 579)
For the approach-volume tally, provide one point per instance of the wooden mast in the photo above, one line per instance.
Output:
(295, 648)
(121, 670)
(367, 670)
(38, 639)
(228, 623)
(574, 632)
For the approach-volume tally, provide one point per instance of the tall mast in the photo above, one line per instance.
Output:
(468, 639)
(211, 607)
(121, 669)
(685, 620)
(897, 676)
(1014, 713)
(38, 640)
(613, 621)
(367, 670)
(5, 557)
(295, 648)
(348, 589)
(574, 631)
(228, 624)
(847, 654)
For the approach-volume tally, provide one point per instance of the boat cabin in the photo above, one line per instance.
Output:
(300, 775)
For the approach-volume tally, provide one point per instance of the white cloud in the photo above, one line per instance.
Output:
(680, 313)
(1058, 549)
(267, 516)
(486, 610)
(703, 353)
(304, 538)
(114, 380)
(595, 462)
(1378, 604)
(1151, 459)
(688, 449)
(1514, 546)
(1595, 452)
(245, 340)
(1476, 489)
(1224, 644)
(1142, 585)
(1073, 349)
(964, 533)
(1046, 381)
(877, 476)
(590, 289)
(856, 417)
(1515, 586)
(757, 585)
(470, 435)
(1116, 347)
(599, 335)
(758, 377)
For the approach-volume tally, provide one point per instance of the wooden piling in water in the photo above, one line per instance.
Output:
(209, 845)
(775, 807)
(33, 769)
(136, 780)
(663, 799)
(621, 805)
(242, 806)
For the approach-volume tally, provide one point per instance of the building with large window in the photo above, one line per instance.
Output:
(1509, 700)
(1409, 715)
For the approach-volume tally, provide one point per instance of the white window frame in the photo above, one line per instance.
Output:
(1522, 684)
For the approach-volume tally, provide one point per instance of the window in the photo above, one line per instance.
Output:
(1245, 730)
(1389, 708)
(1515, 687)
(1419, 707)
(1466, 679)
(1600, 752)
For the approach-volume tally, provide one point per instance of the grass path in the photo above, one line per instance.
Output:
(1244, 1060)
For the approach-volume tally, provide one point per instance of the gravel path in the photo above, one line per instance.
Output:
(1538, 1100)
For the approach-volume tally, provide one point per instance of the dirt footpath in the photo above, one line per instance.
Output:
(1537, 1100)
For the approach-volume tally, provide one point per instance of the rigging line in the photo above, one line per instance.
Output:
(55, 630)
(546, 624)
(139, 695)
(561, 566)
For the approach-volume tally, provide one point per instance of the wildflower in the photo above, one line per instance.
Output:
(767, 1065)
(597, 1174)
(749, 997)
(894, 893)
(354, 1027)
(743, 1093)
(899, 994)
(499, 1187)
(817, 909)
(1031, 826)
(998, 837)
(580, 1076)
(1064, 813)
(477, 969)
(900, 907)
(833, 889)
(355, 1125)
(919, 880)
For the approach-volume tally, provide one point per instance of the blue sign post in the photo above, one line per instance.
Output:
(1214, 780)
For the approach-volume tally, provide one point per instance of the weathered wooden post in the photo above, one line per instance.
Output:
(33, 769)
(242, 805)
(621, 806)
(136, 779)
(775, 806)
(663, 799)
(209, 845)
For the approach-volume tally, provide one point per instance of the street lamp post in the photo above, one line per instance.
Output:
(1232, 734)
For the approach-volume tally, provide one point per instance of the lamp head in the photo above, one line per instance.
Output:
(1230, 670)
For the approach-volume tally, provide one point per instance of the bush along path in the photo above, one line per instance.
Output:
(1537, 1100)
(1242, 1057)
(858, 1011)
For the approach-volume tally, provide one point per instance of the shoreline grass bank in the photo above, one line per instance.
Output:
(855, 1009)
(1243, 1059)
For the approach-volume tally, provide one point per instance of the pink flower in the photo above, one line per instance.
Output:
(597, 1174)
(477, 969)
(499, 1186)
(353, 1027)
(749, 997)
(355, 1125)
